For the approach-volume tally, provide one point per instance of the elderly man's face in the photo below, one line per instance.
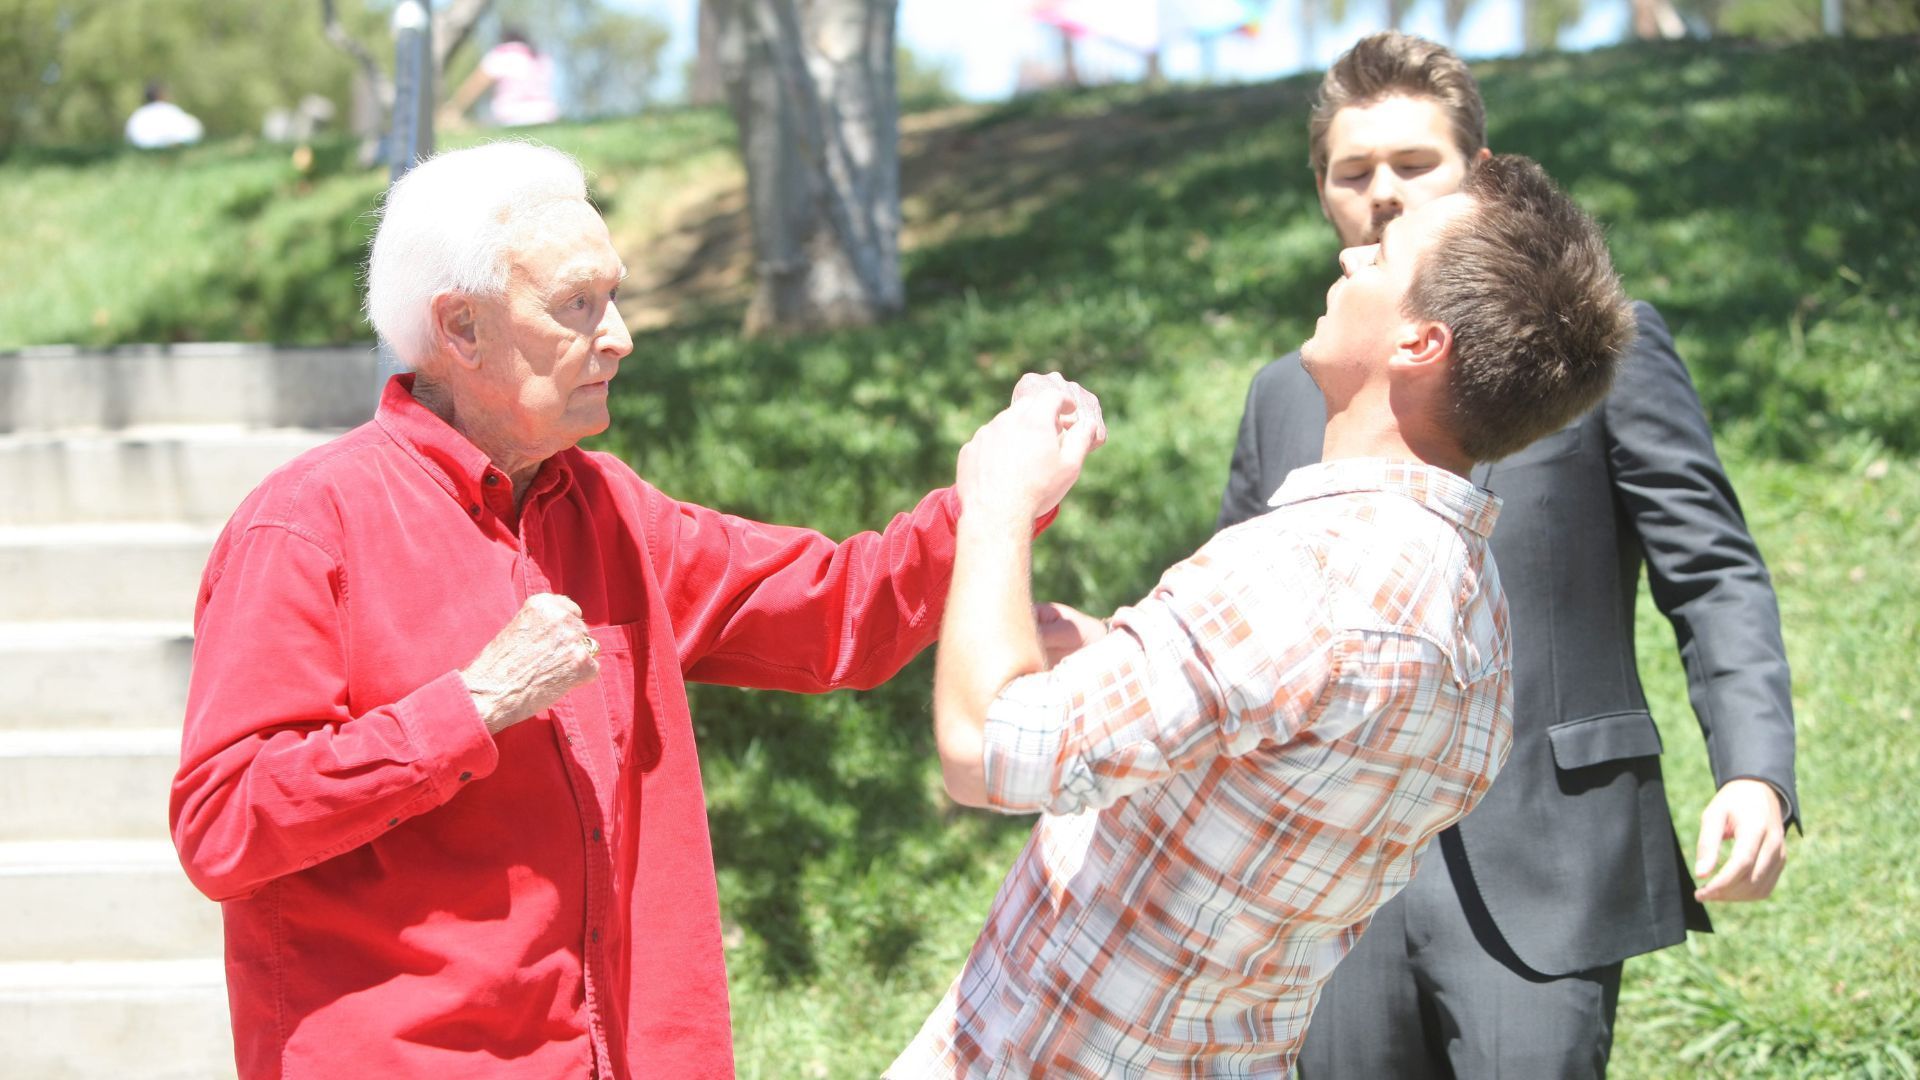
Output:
(552, 344)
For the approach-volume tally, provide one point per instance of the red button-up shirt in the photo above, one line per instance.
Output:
(406, 895)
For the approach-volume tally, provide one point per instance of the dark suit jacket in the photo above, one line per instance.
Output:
(1573, 851)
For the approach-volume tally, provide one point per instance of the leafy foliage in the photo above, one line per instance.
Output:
(1794, 19)
(72, 70)
(922, 83)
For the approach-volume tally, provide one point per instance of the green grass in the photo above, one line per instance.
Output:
(1159, 247)
(232, 241)
(1823, 980)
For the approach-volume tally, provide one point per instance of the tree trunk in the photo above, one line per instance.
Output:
(811, 86)
(372, 88)
(1653, 19)
(1453, 13)
(1069, 61)
(1154, 76)
(707, 86)
(452, 26)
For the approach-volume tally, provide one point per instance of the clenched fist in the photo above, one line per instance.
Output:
(543, 652)
(1021, 463)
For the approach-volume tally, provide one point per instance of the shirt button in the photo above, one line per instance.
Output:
(596, 935)
(466, 776)
(596, 836)
(492, 480)
(474, 509)
(392, 822)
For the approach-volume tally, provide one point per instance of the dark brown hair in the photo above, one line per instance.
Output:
(1538, 317)
(1391, 63)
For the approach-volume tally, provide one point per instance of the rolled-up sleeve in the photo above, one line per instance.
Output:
(1190, 674)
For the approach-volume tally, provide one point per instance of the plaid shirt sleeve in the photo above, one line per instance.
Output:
(1194, 672)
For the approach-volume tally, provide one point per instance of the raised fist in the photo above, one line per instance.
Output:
(542, 653)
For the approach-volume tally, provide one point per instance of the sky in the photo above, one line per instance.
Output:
(982, 43)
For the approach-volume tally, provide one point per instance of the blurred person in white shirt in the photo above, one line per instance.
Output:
(160, 123)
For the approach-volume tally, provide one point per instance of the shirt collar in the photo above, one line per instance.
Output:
(460, 467)
(1450, 495)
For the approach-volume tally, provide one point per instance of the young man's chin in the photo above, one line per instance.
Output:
(1314, 361)
(1310, 353)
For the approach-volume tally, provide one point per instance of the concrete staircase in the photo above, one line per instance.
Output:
(120, 469)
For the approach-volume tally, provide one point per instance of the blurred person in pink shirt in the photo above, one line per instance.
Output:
(521, 78)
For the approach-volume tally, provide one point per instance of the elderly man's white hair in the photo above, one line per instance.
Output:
(447, 226)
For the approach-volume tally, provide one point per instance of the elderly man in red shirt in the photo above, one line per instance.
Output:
(437, 762)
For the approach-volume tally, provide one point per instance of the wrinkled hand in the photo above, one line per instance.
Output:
(1064, 630)
(542, 653)
(1748, 813)
(1023, 461)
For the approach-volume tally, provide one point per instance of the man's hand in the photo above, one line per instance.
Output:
(1064, 631)
(1023, 461)
(542, 653)
(1748, 813)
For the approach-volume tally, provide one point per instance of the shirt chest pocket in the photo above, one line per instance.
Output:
(616, 711)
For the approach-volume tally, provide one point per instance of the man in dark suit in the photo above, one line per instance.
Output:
(1503, 957)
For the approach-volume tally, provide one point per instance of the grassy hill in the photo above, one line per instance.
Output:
(1159, 247)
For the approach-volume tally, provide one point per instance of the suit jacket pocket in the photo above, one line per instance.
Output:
(1594, 740)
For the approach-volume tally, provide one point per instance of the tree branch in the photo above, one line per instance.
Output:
(452, 28)
(336, 33)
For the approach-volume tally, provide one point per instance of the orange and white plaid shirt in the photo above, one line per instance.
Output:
(1233, 780)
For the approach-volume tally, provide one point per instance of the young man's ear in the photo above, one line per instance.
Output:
(1425, 347)
(456, 328)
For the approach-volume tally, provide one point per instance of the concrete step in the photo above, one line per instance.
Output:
(154, 1020)
(130, 570)
(60, 387)
(101, 900)
(173, 473)
(86, 784)
(98, 674)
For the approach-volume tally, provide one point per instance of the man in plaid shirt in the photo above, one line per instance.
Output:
(1236, 772)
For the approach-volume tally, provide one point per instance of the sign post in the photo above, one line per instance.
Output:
(411, 139)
